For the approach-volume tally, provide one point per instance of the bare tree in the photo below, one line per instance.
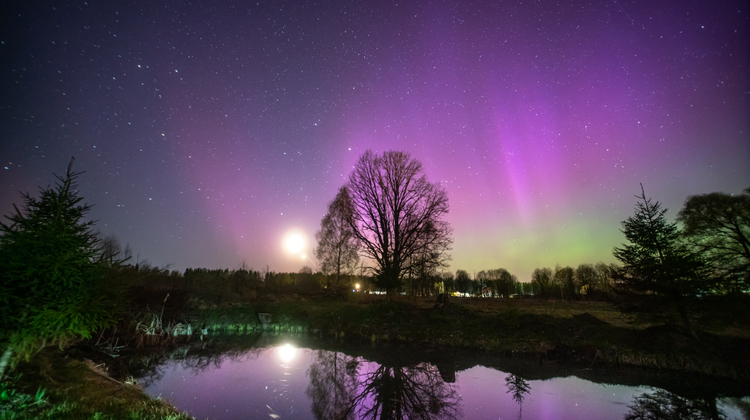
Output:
(110, 249)
(586, 278)
(337, 247)
(396, 216)
(666, 405)
(564, 278)
(505, 282)
(462, 281)
(485, 283)
(541, 282)
(448, 282)
(333, 385)
(127, 253)
(604, 276)
(405, 392)
(423, 273)
(718, 226)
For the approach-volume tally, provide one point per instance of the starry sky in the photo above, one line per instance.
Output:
(209, 130)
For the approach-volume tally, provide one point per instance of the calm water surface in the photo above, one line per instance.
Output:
(289, 382)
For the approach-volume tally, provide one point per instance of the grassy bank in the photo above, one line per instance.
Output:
(55, 384)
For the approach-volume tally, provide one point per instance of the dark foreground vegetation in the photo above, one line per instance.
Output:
(68, 296)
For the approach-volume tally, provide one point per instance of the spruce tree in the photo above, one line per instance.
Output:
(661, 277)
(51, 272)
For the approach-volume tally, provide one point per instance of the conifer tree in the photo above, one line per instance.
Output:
(51, 272)
(661, 277)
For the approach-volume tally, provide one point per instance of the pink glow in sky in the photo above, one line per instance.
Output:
(207, 132)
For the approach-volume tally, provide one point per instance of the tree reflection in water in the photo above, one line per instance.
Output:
(333, 384)
(664, 405)
(150, 367)
(518, 388)
(340, 391)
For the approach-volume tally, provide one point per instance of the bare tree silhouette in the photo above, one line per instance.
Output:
(664, 405)
(340, 390)
(333, 384)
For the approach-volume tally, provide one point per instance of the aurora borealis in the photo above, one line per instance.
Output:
(209, 130)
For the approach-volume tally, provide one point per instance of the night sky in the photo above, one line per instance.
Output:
(209, 130)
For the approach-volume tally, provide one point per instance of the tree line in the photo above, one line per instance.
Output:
(587, 281)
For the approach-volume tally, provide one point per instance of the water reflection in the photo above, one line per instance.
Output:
(286, 353)
(518, 388)
(281, 380)
(415, 392)
(663, 405)
(333, 384)
(343, 387)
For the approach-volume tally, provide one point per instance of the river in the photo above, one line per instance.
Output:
(299, 377)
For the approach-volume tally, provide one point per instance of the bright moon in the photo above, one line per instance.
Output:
(294, 243)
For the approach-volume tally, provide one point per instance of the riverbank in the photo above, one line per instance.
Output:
(86, 384)
(585, 332)
(572, 331)
(63, 384)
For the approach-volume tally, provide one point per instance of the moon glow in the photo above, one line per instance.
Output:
(294, 243)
